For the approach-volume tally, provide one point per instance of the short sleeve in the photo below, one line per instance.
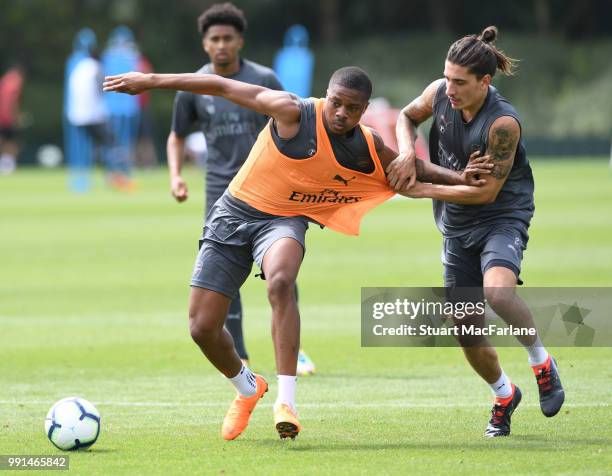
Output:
(184, 113)
(273, 82)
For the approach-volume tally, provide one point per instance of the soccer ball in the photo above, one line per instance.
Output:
(73, 423)
(49, 155)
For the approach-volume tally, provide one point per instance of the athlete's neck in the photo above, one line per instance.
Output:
(469, 113)
(227, 69)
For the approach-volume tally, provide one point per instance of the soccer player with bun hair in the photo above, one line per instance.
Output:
(312, 162)
(477, 53)
(484, 228)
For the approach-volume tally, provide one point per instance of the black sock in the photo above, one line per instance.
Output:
(234, 326)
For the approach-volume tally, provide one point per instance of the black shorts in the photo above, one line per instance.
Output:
(466, 258)
(233, 239)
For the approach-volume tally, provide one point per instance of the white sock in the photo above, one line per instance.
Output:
(503, 387)
(286, 391)
(244, 382)
(537, 353)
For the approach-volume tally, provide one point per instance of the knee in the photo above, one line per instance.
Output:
(281, 287)
(471, 343)
(499, 298)
(200, 328)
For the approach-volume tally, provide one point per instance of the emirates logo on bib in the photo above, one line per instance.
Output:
(327, 195)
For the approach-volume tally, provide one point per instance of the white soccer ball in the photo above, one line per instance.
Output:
(49, 155)
(73, 423)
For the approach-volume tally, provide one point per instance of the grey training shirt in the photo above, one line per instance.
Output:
(451, 142)
(230, 130)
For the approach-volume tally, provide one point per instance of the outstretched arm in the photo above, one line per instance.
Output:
(402, 172)
(280, 105)
(504, 136)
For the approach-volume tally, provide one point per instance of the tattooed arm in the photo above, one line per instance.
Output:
(504, 136)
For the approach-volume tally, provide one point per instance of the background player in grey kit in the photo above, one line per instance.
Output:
(230, 130)
(484, 228)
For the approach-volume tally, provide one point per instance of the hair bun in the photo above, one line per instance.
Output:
(489, 34)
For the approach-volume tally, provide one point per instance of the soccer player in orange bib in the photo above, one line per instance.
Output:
(312, 162)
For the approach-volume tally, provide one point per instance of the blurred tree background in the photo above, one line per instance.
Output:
(562, 88)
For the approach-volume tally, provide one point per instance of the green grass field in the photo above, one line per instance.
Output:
(93, 294)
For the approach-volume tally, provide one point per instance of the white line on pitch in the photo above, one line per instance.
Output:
(336, 405)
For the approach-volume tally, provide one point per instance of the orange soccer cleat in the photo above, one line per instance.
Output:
(237, 417)
(286, 422)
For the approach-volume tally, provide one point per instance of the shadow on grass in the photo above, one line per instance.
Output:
(527, 443)
(101, 450)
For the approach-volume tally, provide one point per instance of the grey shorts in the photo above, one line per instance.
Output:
(234, 236)
(466, 258)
